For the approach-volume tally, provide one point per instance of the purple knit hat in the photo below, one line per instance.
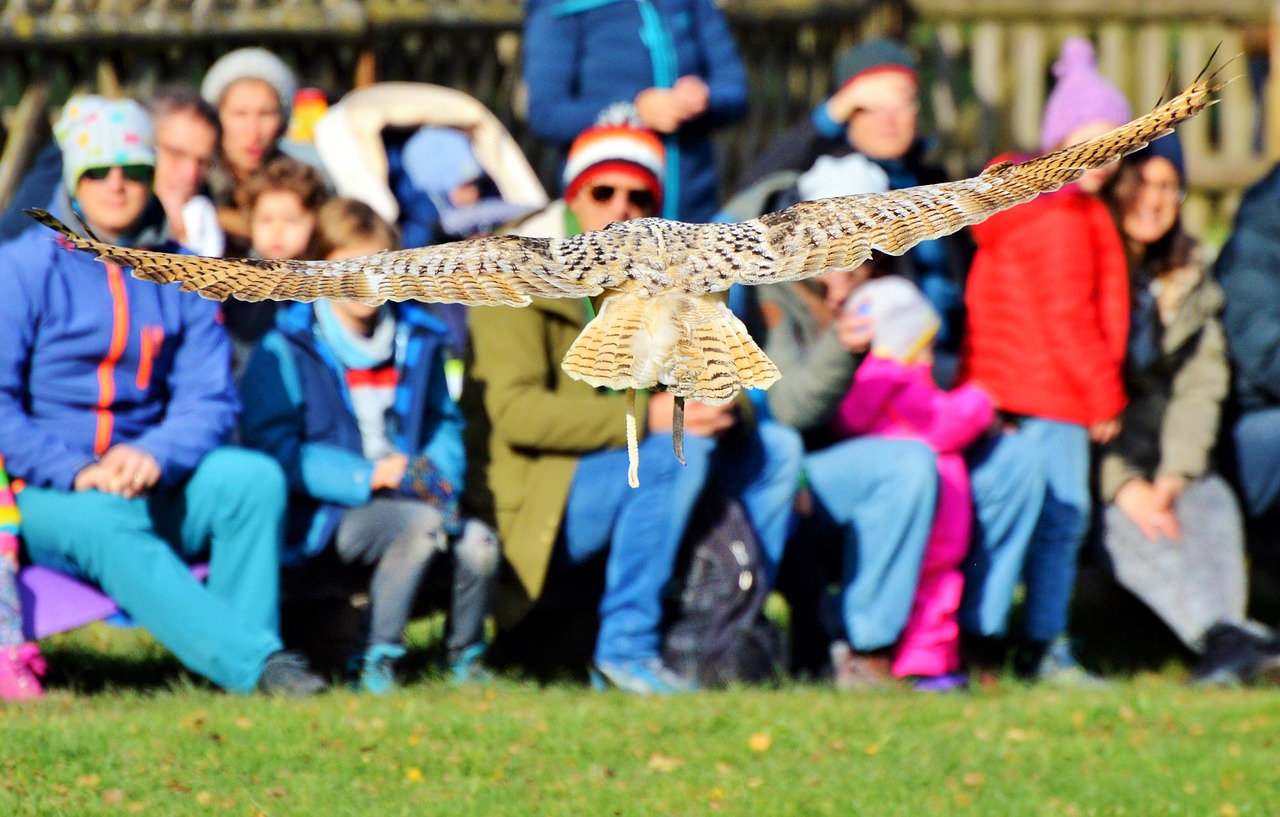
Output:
(1081, 95)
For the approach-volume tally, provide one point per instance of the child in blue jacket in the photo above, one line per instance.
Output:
(352, 400)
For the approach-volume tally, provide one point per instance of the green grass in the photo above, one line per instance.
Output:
(124, 731)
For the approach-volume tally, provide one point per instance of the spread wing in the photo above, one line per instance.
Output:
(840, 233)
(482, 271)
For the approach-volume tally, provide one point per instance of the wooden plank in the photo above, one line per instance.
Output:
(1169, 10)
(1028, 61)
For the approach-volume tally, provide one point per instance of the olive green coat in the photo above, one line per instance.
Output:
(528, 423)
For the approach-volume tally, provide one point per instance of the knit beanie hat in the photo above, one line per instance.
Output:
(94, 131)
(250, 63)
(904, 320)
(1081, 95)
(872, 57)
(1170, 147)
(635, 151)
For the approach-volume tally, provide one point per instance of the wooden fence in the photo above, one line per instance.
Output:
(992, 71)
(986, 64)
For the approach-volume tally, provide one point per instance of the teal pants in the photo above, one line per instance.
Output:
(230, 512)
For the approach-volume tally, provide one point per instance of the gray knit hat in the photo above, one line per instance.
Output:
(250, 63)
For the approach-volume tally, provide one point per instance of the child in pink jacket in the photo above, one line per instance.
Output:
(893, 395)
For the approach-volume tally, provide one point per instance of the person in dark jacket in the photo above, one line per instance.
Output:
(115, 401)
(674, 60)
(864, 138)
(1248, 270)
(352, 401)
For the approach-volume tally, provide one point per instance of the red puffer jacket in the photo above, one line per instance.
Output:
(1048, 310)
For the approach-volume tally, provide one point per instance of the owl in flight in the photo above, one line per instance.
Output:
(660, 324)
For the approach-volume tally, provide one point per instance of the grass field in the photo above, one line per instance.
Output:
(124, 731)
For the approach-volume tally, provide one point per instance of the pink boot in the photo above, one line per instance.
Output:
(19, 667)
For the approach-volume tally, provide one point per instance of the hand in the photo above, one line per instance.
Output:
(855, 332)
(842, 104)
(691, 96)
(388, 472)
(130, 471)
(700, 420)
(92, 477)
(1137, 499)
(1169, 487)
(1104, 431)
(659, 110)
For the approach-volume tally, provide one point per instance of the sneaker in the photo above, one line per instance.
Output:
(376, 669)
(287, 675)
(647, 677)
(19, 667)
(946, 682)
(1233, 655)
(1054, 664)
(466, 669)
(853, 669)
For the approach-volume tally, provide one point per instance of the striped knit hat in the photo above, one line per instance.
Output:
(637, 152)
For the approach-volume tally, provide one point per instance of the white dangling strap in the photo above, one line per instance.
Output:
(633, 447)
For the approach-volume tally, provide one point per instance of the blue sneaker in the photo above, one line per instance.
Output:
(646, 677)
(377, 669)
(466, 669)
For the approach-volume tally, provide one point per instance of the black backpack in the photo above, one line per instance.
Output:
(715, 630)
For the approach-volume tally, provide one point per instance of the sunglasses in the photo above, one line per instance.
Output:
(134, 173)
(643, 200)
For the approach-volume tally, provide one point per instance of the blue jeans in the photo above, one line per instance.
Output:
(1008, 484)
(1257, 452)
(643, 527)
(1050, 568)
(877, 496)
(231, 511)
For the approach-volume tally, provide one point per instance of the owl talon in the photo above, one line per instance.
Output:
(677, 430)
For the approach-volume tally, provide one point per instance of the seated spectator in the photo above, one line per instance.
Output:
(352, 401)
(253, 91)
(865, 138)
(1249, 271)
(187, 131)
(1046, 338)
(115, 399)
(281, 201)
(674, 62)
(1172, 530)
(894, 396)
(869, 501)
(554, 462)
(21, 663)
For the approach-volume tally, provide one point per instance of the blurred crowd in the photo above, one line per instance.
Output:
(953, 430)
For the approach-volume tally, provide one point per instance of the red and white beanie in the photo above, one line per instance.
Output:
(615, 148)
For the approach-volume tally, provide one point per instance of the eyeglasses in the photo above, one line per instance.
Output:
(643, 200)
(1165, 190)
(134, 173)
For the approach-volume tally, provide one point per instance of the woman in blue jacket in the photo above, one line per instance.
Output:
(674, 60)
(353, 402)
(115, 401)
